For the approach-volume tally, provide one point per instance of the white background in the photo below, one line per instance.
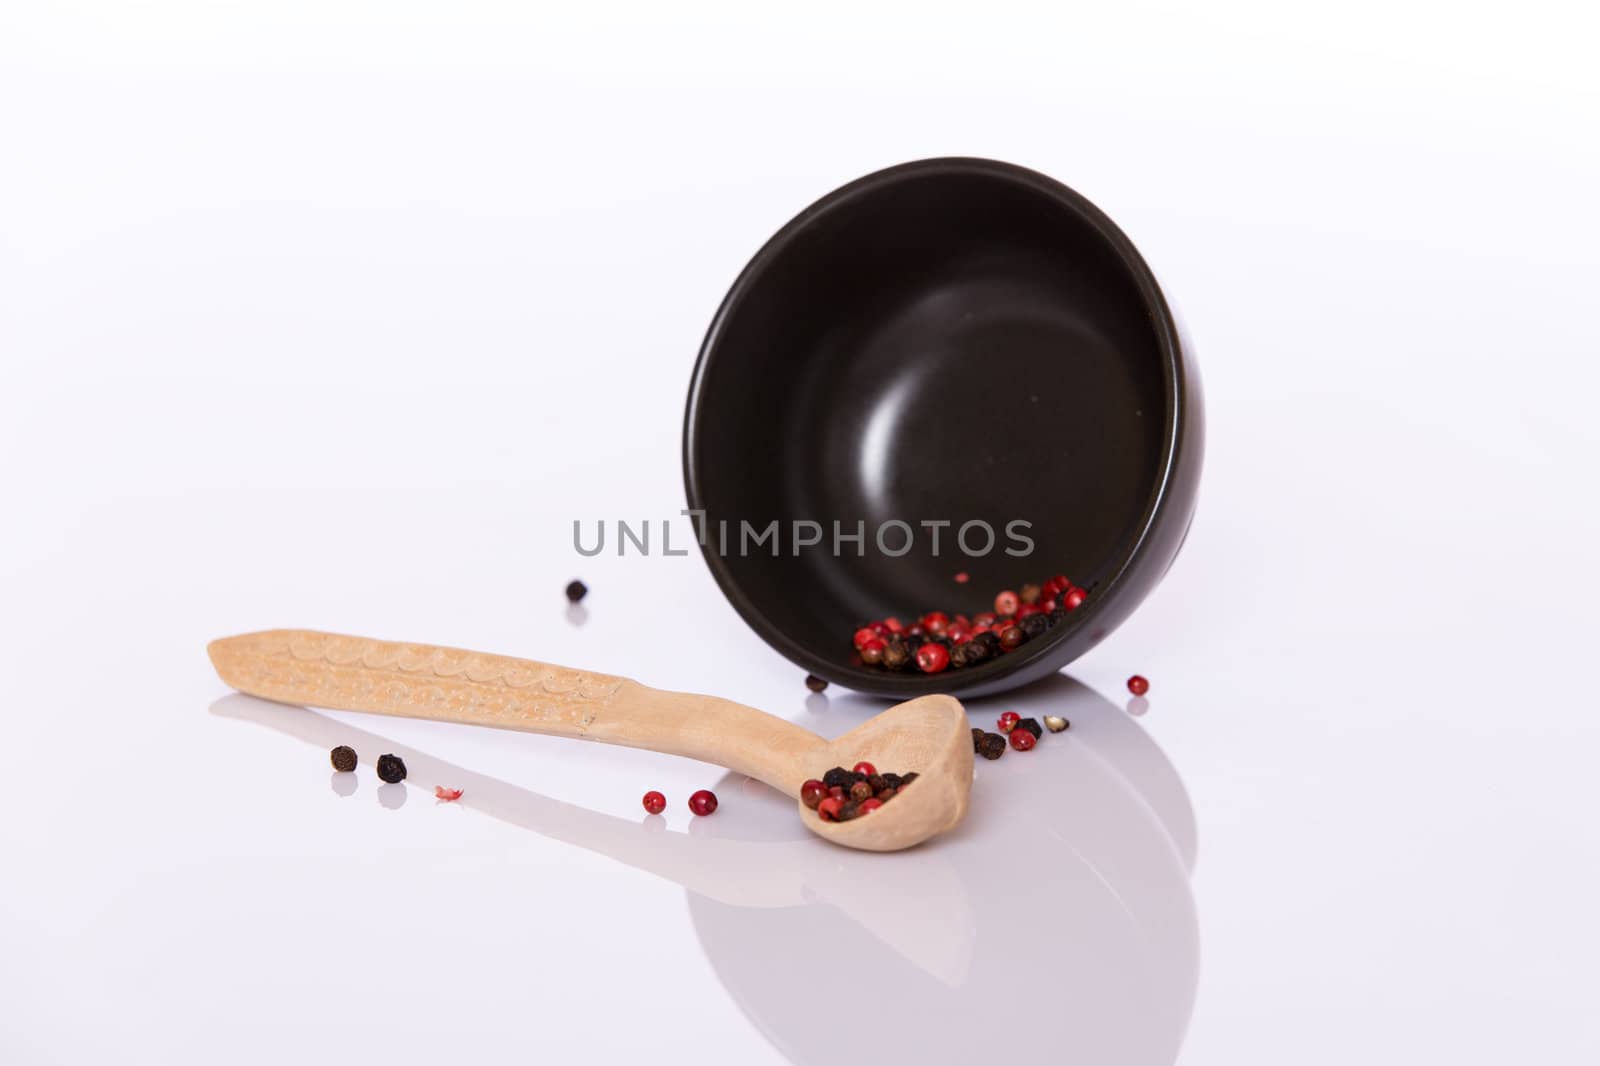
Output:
(337, 314)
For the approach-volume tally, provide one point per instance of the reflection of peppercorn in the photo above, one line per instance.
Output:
(391, 768)
(344, 758)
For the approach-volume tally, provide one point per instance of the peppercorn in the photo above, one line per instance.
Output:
(877, 782)
(344, 758)
(1011, 637)
(813, 792)
(1073, 599)
(1023, 740)
(1032, 726)
(977, 738)
(869, 805)
(828, 810)
(1138, 685)
(391, 768)
(894, 780)
(860, 791)
(838, 777)
(1006, 602)
(1007, 721)
(849, 810)
(837, 792)
(932, 658)
(1029, 594)
(864, 768)
(1055, 724)
(979, 648)
(906, 779)
(817, 684)
(993, 746)
(871, 654)
(655, 802)
(703, 802)
(888, 794)
(1034, 625)
(896, 655)
(864, 634)
(576, 591)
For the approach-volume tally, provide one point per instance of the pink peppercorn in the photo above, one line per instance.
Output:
(655, 802)
(1138, 685)
(703, 802)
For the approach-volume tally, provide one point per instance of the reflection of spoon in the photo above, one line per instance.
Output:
(1074, 862)
(913, 901)
(1063, 900)
(927, 735)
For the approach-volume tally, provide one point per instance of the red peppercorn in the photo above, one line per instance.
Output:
(812, 793)
(1023, 740)
(985, 619)
(1057, 585)
(894, 625)
(655, 802)
(1008, 721)
(1138, 685)
(703, 802)
(1006, 603)
(963, 577)
(828, 810)
(1011, 637)
(837, 792)
(936, 622)
(958, 633)
(1030, 608)
(872, 651)
(864, 634)
(1048, 605)
(864, 768)
(932, 658)
(1074, 599)
(868, 806)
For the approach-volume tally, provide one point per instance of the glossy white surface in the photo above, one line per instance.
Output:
(338, 316)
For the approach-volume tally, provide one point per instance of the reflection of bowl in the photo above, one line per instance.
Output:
(955, 340)
(1071, 936)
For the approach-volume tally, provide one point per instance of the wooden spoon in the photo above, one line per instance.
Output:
(929, 735)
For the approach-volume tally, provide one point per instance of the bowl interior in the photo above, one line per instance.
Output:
(957, 341)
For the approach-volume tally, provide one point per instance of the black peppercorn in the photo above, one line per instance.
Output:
(906, 779)
(344, 758)
(391, 768)
(1035, 625)
(1032, 726)
(977, 739)
(861, 791)
(894, 780)
(992, 746)
(877, 782)
(576, 591)
(815, 683)
(849, 810)
(887, 794)
(839, 777)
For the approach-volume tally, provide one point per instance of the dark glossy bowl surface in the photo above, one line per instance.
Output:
(955, 340)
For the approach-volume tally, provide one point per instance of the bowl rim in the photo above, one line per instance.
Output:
(1024, 664)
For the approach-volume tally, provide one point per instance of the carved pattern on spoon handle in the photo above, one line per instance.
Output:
(417, 680)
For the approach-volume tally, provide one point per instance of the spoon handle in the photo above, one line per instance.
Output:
(451, 685)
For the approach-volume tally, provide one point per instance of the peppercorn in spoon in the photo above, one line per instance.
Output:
(929, 735)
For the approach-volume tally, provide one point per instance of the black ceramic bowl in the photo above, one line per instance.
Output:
(956, 340)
